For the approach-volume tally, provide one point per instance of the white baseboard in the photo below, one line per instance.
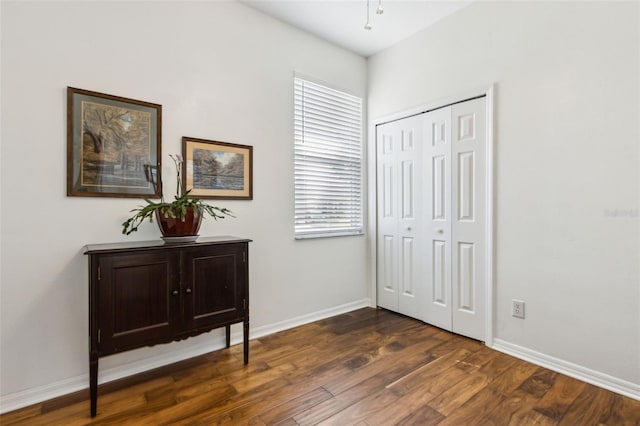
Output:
(614, 384)
(16, 400)
(307, 318)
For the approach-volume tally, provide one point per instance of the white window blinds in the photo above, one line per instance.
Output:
(328, 159)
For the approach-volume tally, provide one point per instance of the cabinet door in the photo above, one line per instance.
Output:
(215, 285)
(138, 299)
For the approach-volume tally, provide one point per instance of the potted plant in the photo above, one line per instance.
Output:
(178, 220)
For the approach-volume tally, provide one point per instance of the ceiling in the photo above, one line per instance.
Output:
(342, 21)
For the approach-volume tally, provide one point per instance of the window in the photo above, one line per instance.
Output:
(328, 161)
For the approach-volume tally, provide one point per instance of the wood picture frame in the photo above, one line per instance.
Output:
(220, 170)
(113, 146)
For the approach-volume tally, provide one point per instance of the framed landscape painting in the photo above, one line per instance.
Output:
(217, 169)
(113, 146)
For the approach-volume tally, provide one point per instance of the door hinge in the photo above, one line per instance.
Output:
(244, 257)
(244, 303)
(99, 273)
(98, 335)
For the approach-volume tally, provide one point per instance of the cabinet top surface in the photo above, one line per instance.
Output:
(159, 244)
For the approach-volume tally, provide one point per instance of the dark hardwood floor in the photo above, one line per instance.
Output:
(367, 367)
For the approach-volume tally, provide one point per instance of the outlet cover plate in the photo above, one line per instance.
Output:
(517, 308)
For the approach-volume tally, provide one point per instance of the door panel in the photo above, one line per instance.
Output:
(387, 285)
(407, 189)
(466, 277)
(137, 301)
(407, 257)
(212, 284)
(388, 256)
(437, 200)
(388, 191)
(440, 280)
(400, 274)
(438, 187)
(468, 227)
(466, 183)
(410, 298)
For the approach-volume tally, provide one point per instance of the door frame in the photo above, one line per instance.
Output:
(372, 214)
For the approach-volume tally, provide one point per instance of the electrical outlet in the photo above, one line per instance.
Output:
(517, 308)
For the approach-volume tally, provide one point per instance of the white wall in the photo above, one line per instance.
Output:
(221, 71)
(567, 165)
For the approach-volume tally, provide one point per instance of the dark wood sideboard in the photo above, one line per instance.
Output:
(146, 293)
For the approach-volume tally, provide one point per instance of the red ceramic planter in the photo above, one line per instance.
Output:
(175, 227)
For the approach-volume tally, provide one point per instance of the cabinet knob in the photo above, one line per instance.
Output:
(175, 292)
(188, 290)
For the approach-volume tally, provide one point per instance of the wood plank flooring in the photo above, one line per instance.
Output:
(367, 368)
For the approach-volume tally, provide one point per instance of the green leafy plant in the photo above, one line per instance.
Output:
(175, 209)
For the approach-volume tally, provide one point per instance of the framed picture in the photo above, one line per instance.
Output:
(113, 146)
(217, 169)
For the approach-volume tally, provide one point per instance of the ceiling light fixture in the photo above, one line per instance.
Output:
(367, 25)
(379, 10)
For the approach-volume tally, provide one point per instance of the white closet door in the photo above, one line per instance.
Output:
(431, 217)
(468, 142)
(401, 285)
(387, 136)
(437, 208)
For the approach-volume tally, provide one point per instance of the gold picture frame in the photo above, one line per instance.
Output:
(217, 170)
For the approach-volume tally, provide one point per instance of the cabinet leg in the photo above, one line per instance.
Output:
(93, 383)
(246, 341)
(228, 331)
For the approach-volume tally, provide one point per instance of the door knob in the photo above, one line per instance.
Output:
(408, 228)
(174, 292)
(440, 231)
(188, 290)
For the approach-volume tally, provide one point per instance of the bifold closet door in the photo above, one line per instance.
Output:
(454, 159)
(431, 217)
(468, 230)
(437, 206)
(400, 265)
